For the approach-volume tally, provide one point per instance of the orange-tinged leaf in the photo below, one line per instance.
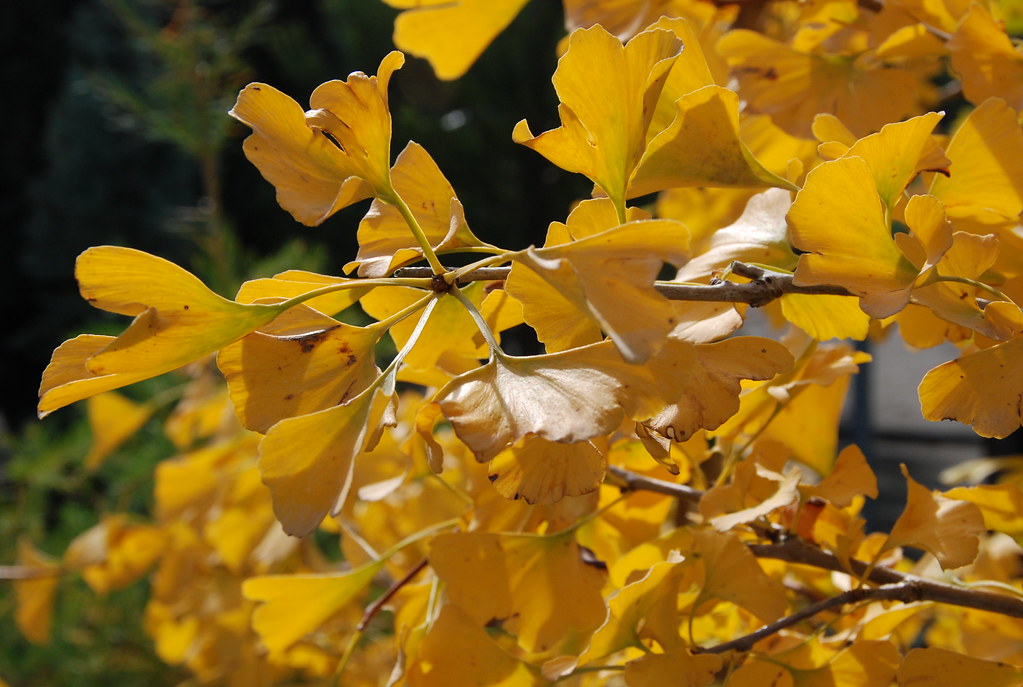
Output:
(934, 667)
(450, 35)
(177, 319)
(456, 650)
(604, 123)
(985, 182)
(538, 588)
(609, 277)
(385, 242)
(307, 461)
(541, 471)
(711, 381)
(702, 147)
(113, 419)
(988, 63)
(676, 667)
(292, 606)
(275, 377)
(34, 596)
(981, 389)
(850, 478)
(947, 528)
(838, 221)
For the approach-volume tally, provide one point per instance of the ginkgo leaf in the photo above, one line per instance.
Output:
(385, 241)
(702, 147)
(793, 86)
(690, 73)
(988, 63)
(178, 320)
(731, 573)
(553, 315)
(330, 157)
(678, 667)
(604, 122)
(936, 667)
(114, 553)
(602, 272)
(307, 461)
(113, 419)
(456, 650)
(539, 588)
(292, 606)
(947, 528)
(567, 397)
(293, 283)
(981, 389)
(851, 477)
(34, 596)
(712, 372)
(541, 471)
(274, 377)
(760, 235)
(838, 221)
(1000, 504)
(826, 317)
(985, 183)
(450, 35)
(899, 152)
(786, 494)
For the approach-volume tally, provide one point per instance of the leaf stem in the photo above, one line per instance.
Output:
(397, 317)
(413, 224)
(481, 323)
(935, 278)
(417, 282)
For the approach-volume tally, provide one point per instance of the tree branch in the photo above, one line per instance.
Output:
(631, 481)
(765, 287)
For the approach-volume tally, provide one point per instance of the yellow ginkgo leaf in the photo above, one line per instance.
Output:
(114, 553)
(604, 122)
(541, 471)
(554, 316)
(899, 152)
(292, 606)
(984, 189)
(457, 650)
(34, 594)
(1000, 504)
(113, 419)
(450, 35)
(937, 667)
(793, 85)
(712, 374)
(691, 71)
(677, 667)
(542, 589)
(988, 63)
(385, 241)
(947, 528)
(177, 320)
(838, 221)
(274, 377)
(701, 147)
(330, 157)
(826, 317)
(307, 461)
(732, 573)
(293, 283)
(608, 277)
(567, 397)
(981, 389)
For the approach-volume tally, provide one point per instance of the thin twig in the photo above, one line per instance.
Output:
(765, 287)
(375, 607)
(28, 572)
(632, 481)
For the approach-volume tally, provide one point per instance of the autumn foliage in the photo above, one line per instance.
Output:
(657, 498)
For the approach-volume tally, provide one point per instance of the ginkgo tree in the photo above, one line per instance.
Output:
(655, 499)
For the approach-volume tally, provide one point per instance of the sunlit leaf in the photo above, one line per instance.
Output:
(114, 553)
(330, 157)
(113, 419)
(604, 123)
(851, 477)
(541, 471)
(986, 60)
(936, 667)
(678, 667)
(947, 528)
